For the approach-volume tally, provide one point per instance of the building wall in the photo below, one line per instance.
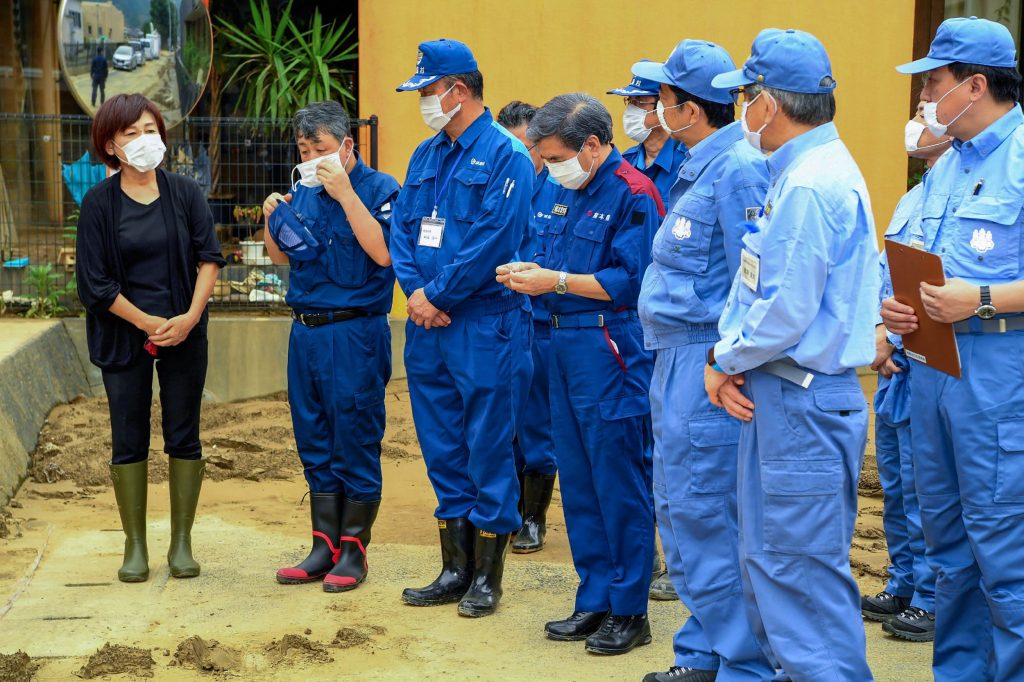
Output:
(535, 49)
(104, 19)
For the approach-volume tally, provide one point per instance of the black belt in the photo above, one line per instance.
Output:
(320, 319)
(999, 325)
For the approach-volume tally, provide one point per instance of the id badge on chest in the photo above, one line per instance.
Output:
(431, 232)
(750, 269)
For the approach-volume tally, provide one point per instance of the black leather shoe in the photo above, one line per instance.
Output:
(484, 593)
(456, 566)
(882, 606)
(620, 635)
(680, 674)
(578, 626)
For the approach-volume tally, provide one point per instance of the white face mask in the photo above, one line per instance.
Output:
(307, 169)
(569, 173)
(433, 113)
(633, 121)
(931, 110)
(661, 109)
(144, 153)
(753, 138)
(912, 135)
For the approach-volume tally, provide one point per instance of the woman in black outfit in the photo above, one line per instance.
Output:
(147, 262)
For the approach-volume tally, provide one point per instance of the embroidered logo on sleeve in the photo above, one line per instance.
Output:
(682, 228)
(752, 212)
(981, 240)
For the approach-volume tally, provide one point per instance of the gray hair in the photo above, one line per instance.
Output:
(321, 117)
(806, 108)
(573, 118)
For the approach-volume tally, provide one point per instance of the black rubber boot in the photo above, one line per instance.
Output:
(325, 513)
(356, 521)
(456, 566)
(489, 565)
(619, 635)
(186, 480)
(537, 491)
(882, 606)
(130, 491)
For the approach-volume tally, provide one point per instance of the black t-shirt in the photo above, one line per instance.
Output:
(142, 237)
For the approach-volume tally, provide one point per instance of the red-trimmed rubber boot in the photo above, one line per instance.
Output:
(356, 521)
(325, 512)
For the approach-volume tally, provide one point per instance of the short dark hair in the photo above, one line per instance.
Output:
(812, 109)
(515, 114)
(573, 118)
(1003, 82)
(99, 50)
(116, 114)
(321, 117)
(474, 80)
(719, 115)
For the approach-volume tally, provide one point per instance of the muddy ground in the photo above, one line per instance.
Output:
(61, 604)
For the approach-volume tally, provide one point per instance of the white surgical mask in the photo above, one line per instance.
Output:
(144, 153)
(569, 173)
(433, 113)
(912, 135)
(633, 122)
(931, 110)
(752, 137)
(307, 169)
(664, 124)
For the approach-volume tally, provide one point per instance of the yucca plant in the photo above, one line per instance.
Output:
(280, 67)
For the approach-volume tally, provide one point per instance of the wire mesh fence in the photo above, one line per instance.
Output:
(46, 167)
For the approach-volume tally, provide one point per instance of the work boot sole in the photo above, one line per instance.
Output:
(602, 651)
(133, 578)
(301, 581)
(878, 617)
(526, 549)
(472, 611)
(567, 638)
(662, 595)
(440, 601)
(186, 573)
(331, 587)
(908, 636)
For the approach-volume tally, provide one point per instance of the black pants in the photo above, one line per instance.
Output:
(102, 85)
(181, 370)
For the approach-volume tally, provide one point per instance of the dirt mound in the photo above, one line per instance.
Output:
(8, 526)
(200, 654)
(17, 667)
(117, 659)
(348, 637)
(296, 648)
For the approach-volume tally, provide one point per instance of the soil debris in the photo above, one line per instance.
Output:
(200, 654)
(297, 648)
(348, 637)
(115, 659)
(17, 667)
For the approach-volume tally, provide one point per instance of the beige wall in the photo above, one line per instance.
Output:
(102, 15)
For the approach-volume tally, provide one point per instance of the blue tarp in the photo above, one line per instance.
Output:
(82, 175)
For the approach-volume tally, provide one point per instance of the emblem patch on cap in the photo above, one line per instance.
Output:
(682, 228)
(419, 57)
(981, 241)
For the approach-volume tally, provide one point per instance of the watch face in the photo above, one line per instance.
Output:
(560, 288)
(985, 312)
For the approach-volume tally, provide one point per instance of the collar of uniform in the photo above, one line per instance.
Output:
(358, 171)
(789, 152)
(468, 135)
(988, 139)
(699, 156)
(637, 156)
(605, 170)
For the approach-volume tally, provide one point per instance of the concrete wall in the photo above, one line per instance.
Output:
(39, 368)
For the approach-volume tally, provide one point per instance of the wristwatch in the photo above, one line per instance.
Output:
(986, 310)
(562, 287)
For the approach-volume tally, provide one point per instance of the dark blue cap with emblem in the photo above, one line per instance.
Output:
(967, 41)
(638, 87)
(437, 59)
(790, 60)
(691, 67)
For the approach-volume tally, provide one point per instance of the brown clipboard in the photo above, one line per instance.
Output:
(934, 343)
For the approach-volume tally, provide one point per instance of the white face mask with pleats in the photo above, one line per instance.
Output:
(753, 137)
(307, 169)
(569, 173)
(633, 122)
(144, 153)
(931, 111)
(434, 114)
(664, 124)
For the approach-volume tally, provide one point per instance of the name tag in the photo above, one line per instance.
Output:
(431, 232)
(750, 269)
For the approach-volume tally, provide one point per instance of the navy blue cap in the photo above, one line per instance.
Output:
(692, 66)
(968, 41)
(291, 233)
(638, 87)
(437, 59)
(790, 60)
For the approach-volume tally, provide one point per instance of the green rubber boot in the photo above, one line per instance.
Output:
(130, 491)
(186, 479)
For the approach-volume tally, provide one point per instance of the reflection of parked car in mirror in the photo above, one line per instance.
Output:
(147, 50)
(137, 47)
(124, 58)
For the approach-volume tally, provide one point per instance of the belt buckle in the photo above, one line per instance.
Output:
(302, 319)
(600, 320)
(554, 321)
(1002, 325)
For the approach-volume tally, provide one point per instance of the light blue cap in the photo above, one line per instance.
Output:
(692, 66)
(968, 41)
(790, 60)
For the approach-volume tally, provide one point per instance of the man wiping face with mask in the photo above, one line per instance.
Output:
(333, 232)
(655, 153)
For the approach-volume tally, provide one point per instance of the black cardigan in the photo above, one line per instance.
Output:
(100, 272)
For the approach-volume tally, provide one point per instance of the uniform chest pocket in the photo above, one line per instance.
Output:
(586, 246)
(467, 188)
(419, 190)
(347, 264)
(987, 244)
(685, 240)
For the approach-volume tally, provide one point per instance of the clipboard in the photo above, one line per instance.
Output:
(934, 343)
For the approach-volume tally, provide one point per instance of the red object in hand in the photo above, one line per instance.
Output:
(151, 348)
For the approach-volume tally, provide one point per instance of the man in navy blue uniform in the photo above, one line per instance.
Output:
(463, 211)
(596, 247)
(655, 154)
(535, 449)
(340, 301)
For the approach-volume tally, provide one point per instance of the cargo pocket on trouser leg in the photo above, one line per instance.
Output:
(369, 422)
(802, 506)
(1010, 463)
(713, 457)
